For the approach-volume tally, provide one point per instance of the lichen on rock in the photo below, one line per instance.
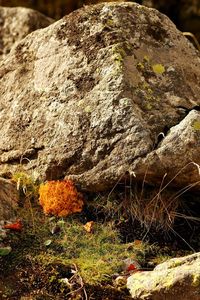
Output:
(16, 23)
(63, 112)
(177, 278)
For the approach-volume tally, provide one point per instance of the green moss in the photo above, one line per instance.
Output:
(97, 255)
(118, 53)
(118, 58)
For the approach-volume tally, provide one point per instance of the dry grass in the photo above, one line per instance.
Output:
(156, 208)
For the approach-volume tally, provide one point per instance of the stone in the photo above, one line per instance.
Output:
(177, 154)
(109, 91)
(9, 197)
(184, 13)
(177, 278)
(16, 23)
(52, 8)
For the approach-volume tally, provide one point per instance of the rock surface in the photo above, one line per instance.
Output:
(90, 96)
(185, 13)
(178, 278)
(53, 8)
(9, 197)
(16, 23)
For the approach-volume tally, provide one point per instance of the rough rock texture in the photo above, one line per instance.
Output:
(16, 23)
(178, 278)
(185, 13)
(92, 95)
(53, 8)
(8, 199)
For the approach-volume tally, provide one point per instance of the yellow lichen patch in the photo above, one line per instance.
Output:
(110, 22)
(60, 198)
(158, 69)
(169, 280)
(88, 109)
(146, 58)
(118, 53)
(145, 85)
(148, 106)
(150, 91)
(196, 125)
(81, 103)
(140, 65)
(196, 280)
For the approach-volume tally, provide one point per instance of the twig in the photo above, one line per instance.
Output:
(81, 284)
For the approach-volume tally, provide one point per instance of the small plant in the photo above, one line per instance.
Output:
(26, 184)
(28, 190)
(60, 198)
(154, 209)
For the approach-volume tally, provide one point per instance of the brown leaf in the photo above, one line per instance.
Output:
(89, 226)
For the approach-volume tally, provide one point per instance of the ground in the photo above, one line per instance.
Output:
(89, 255)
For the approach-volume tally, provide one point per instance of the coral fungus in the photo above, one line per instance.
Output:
(60, 198)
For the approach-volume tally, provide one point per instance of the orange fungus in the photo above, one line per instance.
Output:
(60, 198)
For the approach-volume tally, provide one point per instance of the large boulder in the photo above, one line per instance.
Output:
(9, 198)
(92, 95)
(16, 23)
(53, 8)
(178, 278)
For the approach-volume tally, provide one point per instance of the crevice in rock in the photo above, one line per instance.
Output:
(166, 128)
(161, 136)
(24, 158)
(187, 110)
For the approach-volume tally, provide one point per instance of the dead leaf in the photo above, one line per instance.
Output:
(17, 226)
(137, 242)
(89, 226)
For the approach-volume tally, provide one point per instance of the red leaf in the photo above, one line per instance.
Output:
(132, 267)
(17, 226)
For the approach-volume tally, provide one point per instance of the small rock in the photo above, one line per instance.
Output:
(16, 23)
(177, 278)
